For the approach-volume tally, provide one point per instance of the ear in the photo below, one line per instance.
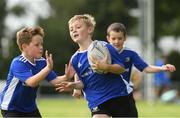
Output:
(24, 46)
(90, 30)
(107, 37)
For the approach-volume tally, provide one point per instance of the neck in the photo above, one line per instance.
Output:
(84, 45)
(28, 57)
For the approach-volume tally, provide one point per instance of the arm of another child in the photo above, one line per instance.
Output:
(34, 80)
(69, 73)
(76, 93)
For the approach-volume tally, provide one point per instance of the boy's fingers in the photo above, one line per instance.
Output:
(46, 53)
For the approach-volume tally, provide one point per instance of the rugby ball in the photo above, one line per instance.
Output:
(98, 50)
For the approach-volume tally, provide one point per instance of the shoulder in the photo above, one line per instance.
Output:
(18, 62)
(130, 51)
(19, 59)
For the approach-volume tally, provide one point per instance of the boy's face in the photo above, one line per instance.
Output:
(117, 39)
(79, 31)
(35, 48)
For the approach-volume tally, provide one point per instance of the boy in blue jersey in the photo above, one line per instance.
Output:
(105, 93)
(26, 71)
(116, 36)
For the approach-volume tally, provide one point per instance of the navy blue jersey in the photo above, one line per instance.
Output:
(17, 95)
(130, 58)
(98, 88)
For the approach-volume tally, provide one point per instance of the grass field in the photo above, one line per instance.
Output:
(78, 108)
(74, 108)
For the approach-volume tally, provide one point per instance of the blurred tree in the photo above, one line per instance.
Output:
(57, 39)
(167, 18)
(2, 17)
(109, 11)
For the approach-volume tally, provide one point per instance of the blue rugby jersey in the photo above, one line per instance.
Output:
(17, 95)
(98, 88)
(130, 58)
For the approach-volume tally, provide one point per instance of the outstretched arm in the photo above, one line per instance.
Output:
(154, 69)
(63, 86)
(34, 80)
(69, 73)
(76, 93)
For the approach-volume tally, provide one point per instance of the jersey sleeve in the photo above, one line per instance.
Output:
(114, 55)
(139, 63)
(20, 70)
(51, 76)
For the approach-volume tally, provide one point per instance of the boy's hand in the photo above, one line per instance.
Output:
(69, 71)
(99, 64)
(49, 60)
(169, 67)
(64, 86)
(77, 93)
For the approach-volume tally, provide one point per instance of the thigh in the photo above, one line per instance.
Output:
(100, 116)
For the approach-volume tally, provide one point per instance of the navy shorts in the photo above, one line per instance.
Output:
(123, 106)
(7, 114)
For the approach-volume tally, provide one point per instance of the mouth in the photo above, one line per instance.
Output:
(75, 35)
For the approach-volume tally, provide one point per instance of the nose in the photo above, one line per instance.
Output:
(116, 41)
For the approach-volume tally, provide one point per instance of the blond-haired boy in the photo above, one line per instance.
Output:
(102, 91)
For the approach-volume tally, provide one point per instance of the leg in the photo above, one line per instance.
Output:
(100, 116)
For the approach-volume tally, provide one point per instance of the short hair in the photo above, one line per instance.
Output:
(87, 19)
(25, 35)
(117, 27)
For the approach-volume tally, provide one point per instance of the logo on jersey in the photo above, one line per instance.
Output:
(95, 109)
(127, 59)
(79, 65)
(24, 84)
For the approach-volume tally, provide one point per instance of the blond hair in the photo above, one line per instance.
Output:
(86, 18)
(24, 36)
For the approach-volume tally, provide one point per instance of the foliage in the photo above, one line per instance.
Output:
(167, 18)
(2, 17)
(57, 39)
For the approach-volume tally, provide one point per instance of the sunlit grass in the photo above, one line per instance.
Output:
(78, 108)
(74, 108)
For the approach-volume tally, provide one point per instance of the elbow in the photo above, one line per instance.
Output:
(31, 84)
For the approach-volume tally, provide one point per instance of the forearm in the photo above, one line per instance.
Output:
(153, 69)
(115, 68)
(34, 80)
(59, 79)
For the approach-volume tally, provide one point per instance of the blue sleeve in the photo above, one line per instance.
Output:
(51, 76)
(114, 55)
(20, 70)
(138, 62)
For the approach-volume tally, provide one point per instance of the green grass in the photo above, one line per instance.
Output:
(78, 108)
(61, 108)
